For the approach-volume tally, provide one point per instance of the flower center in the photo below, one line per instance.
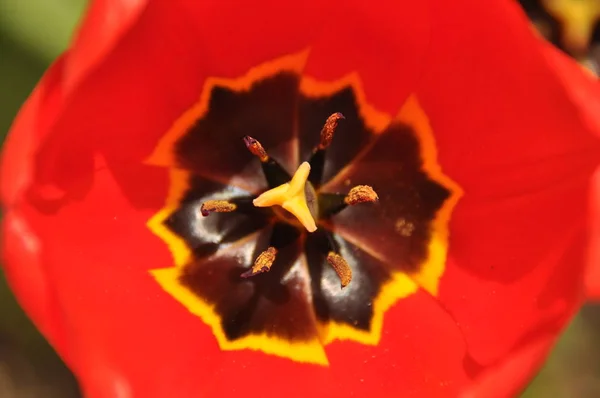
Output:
(297, 201)
(383, 252)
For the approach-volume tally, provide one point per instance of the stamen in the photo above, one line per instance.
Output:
(291, 197)
(263, 263)
(341, 267)
(332, 203)
(274, 173)
(317, 160)
(328, 130)
(361, 194)
(217, 206)
(256, 148)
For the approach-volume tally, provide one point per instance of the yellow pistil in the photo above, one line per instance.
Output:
(291, 197)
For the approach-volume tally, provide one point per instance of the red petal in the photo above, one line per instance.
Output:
(388, 56)
(28, 130)
(584, 90)
(164, 58)
(518, 146)
(517, 367)
(106, 21)
(592, 280)
(22, 254)
(400, 365)
(581, 87)
(108, 253)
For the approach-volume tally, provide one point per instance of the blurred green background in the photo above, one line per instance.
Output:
(32, 34)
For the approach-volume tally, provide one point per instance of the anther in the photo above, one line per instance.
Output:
(263, 263)
(333, 203)
(361, 194)
(317, 159)
(274, 173)
(217, 206)
(341, 267)
(328, 130)
(256, 148)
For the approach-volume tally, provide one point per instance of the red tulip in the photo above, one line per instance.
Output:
(480, 141)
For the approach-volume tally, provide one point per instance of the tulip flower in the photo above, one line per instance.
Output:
(388, 198)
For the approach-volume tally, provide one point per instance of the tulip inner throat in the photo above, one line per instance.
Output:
(298, 201)
(255, 275)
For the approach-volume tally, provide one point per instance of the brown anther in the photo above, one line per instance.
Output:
(341, 268)
(361, 194)
(263, 263)
(329, 129)
(256, 148)
(217, 206)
